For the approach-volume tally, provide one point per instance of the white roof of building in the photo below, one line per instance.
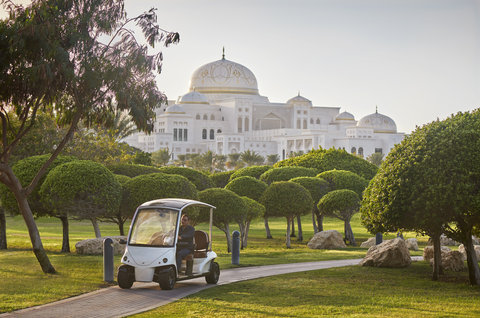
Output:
(380, 123)
(193, 98)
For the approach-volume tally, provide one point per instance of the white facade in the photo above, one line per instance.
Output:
(223, 112)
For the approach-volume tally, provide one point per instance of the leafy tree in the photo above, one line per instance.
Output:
(75, 59)
(181, 160)
(248, 187)
(272, 159)
(254, 210)
(155, 186)
(317, 187)
(251, 158)
(143, 158)
(83, 189)
(220, 179)
(131, 170)
(376, 158)
(26, 170)
(199, 179)
(121, 216)
(341, 204)
(288, 199)
(330, 159)
(234, 161)
(219, 162)
(430, 183)
(287, 173)
(161, 157)
(229, 208)
(252, 171)
(342, 179)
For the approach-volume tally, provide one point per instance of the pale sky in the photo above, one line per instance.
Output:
(415, 59)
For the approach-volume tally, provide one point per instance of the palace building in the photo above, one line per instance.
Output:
(224, 112)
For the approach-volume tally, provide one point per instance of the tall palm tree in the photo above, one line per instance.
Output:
(251, 158)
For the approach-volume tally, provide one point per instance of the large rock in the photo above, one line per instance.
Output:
(462, 250)
(428, 252)
(95, 246)
(412, 244)
(391, 253)
(330, 239)
(368, 243)
(452, 260)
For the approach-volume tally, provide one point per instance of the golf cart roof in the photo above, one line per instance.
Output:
(174, 203)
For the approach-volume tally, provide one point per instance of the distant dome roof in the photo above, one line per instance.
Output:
(224, 76)
(380, 123)
(175, 109)
(193, 98)
(345, 116)
(299, 100)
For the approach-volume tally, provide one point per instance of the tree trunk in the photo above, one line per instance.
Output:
(247, 228)
(288, 233)
(241, 226)
(314, 222)
(300, 232)
(320, 222)
(267, 229)
(349, 233)
(66, 240)
(120, 223)
(437, 256)
(293, 228)
(472, 261)
(229, 238)
(37, 245)
(96, 228)
(3, 230)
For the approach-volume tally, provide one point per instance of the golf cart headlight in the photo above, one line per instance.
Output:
(125, 258)
(165, 260)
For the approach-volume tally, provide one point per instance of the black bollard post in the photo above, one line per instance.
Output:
(378, 238)
(236, 248)
(108, 260)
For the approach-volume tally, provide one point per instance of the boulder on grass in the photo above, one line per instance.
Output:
(391, 253)
(412, 244)
(369, 243)
(95, 246)
(428, 252)
(452, 261)
(330, 239)
(462, 250)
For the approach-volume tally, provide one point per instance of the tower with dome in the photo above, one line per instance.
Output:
(224, 112)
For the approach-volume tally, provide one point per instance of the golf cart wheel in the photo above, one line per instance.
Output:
(214, 274)
(125, 276)
(167, 279)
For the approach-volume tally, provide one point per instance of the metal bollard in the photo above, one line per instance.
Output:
(236, 248)
(378, 238)
(108, 260)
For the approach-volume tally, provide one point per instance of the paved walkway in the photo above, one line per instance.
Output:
(117, 302)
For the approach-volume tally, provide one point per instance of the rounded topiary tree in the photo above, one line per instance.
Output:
(84, 189)
(121, 216)
(287, 199)
(341, 204)
(230, 207)
(25, 170)
(247, 186)
(131, 170)
(156, 186)
(252, 171)
(254, 210)
(199, 179)
(330, 159)
(220, 179)
(342, 179)
(317, 187)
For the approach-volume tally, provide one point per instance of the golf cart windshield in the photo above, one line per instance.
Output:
(154, 227)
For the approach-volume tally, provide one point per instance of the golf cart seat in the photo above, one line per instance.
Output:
(201, 244)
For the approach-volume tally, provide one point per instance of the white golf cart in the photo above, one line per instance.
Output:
(152, 245)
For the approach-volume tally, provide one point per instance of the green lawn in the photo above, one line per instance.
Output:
(24, 285)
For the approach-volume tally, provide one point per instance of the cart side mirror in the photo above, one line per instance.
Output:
(122, 241)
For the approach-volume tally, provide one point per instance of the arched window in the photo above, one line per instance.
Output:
(219, 131)
(318, 121)
(311, 121)
(304, 124)
(205, 117)
(240, 124)
(299, 123)
(360, 151)
(354, 150)
(204, 134)
(247, 124)
(212, 117)
(212, 134)
(197, 117)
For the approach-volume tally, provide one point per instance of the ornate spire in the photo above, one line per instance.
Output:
(223, 54)
(376, 109)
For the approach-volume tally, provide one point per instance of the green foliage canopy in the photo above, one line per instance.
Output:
(252, 171)
(341, 204)
(131, 170)
(220, 179)
(199, 179)
(247, 186)
(287, 199)
(287, 173)
(342, 179)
